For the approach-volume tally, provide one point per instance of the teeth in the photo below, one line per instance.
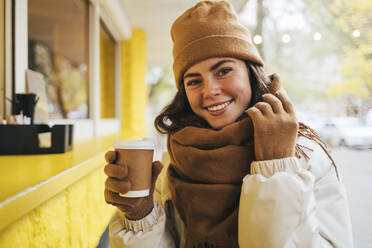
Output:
(218, 107)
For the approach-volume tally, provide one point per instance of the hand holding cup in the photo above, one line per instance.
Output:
(131, 180)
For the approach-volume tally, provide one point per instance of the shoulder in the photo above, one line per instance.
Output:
(319, 161)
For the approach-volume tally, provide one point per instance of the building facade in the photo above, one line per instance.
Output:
(93, 65)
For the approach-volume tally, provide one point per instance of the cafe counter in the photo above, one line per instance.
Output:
(55, 200)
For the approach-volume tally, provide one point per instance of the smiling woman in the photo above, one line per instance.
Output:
(243, 172)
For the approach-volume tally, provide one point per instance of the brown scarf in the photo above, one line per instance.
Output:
(205, 176)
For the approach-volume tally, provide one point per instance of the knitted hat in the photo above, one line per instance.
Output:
(209, 29)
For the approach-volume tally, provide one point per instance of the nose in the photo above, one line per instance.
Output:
(211, 88)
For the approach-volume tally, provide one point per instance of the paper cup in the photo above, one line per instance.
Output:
(137, 155)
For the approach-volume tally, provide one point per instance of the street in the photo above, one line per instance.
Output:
(356, 169)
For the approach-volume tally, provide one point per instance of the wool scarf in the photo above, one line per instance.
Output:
(205, 176)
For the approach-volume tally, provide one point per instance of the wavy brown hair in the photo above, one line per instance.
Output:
(178, 114)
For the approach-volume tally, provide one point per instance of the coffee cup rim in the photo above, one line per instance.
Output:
(134, 144)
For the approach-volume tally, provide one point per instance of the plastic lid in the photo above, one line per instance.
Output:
(134, 144)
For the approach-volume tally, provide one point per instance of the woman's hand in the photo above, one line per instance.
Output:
(275, 126)
(117, 182)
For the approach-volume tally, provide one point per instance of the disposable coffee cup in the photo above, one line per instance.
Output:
(137, 155)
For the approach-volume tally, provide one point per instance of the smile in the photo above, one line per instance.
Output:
(218, 107)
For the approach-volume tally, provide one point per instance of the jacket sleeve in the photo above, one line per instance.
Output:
(294, 202)
(149, 232)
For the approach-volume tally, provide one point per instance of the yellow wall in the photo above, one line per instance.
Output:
(107, 75)
(134, 90)
(77, 216)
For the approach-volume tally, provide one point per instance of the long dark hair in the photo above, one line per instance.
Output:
(178, 114)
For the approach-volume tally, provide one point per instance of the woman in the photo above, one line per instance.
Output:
(242, 172)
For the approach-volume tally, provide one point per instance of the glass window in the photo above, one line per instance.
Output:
(58, 35)
(107, 72)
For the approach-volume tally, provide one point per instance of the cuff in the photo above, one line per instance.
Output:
(268, 168)
(145, 224)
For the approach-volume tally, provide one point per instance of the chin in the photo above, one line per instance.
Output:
(220, 124)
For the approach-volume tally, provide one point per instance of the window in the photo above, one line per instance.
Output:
(107, 72)
(62, 40)
(58, 47)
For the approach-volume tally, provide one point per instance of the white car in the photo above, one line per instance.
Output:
(346, 131)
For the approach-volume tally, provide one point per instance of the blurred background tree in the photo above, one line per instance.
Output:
(320, 48)
(354, 19)
(162, 87)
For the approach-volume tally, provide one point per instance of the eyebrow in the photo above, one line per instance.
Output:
(214, 67)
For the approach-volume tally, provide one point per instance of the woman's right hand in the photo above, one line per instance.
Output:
(118, 183)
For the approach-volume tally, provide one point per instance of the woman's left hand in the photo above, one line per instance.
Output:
(275, 127)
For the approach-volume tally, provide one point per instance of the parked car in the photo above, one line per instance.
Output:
(310, 120)
(369, 118)
(346, 131)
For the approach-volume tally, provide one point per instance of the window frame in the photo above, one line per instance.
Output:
(93, 125)
(2, 60)
(8, 54)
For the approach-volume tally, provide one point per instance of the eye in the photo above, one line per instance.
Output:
(224, 71)
(192, 82)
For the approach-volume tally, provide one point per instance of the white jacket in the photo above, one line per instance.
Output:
(286, 202)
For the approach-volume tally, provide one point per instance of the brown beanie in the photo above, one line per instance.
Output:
(209, 29)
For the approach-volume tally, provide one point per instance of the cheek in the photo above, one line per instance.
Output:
(248, 93)
(243, 90)
(248, 96)
(193, 100)
(247, 89)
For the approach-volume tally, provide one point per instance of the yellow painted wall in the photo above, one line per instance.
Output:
(77, 216)
(134, 89)
(107, 74)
